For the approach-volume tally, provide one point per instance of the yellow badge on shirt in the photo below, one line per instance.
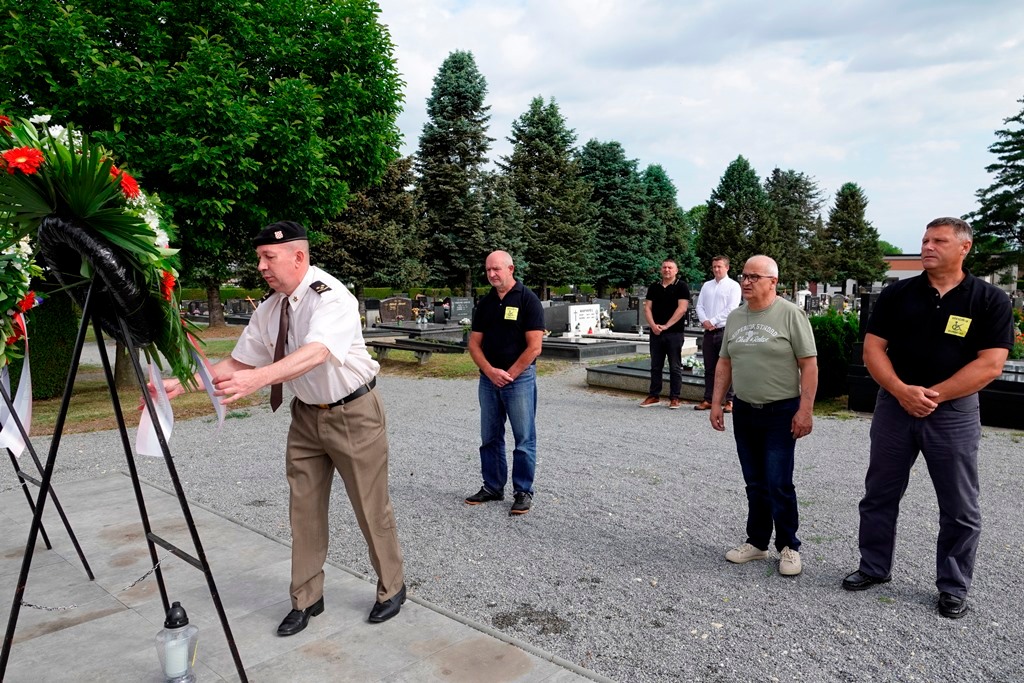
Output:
(958, 325)
(511, 313)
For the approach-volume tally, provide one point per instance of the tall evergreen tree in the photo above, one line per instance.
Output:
(503, 222)
(669, 217)
(378, 239)
(696, 272)
(739, 219)
(1000, 218)
(452, 152)
(853, 242)
(796, 202)
(544, 178)
(628, 245)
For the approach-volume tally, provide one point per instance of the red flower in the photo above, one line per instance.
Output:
(5, 123)
(167, 285)
(129, 186)
(27, 159)
(12, 339)
(28, 303)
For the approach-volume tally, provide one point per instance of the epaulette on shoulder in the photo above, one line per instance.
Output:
(319, 287)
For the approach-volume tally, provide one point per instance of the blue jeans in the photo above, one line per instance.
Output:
(516, 402)
(765, 444)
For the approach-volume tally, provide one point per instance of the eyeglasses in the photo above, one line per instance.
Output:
(752, 278)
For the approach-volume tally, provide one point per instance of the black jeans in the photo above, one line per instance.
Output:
(709, 351)
(668, 344)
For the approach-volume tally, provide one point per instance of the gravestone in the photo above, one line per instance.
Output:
(556, 317)
(838, 302)
(391, 309)
(462, 308)
(584, 318)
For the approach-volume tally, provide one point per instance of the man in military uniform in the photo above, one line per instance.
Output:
(307, 334)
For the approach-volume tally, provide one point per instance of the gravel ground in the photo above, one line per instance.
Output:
(619, 567)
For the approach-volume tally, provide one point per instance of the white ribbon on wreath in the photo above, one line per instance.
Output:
(11, 437)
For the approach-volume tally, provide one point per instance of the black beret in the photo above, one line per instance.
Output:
(279, 233)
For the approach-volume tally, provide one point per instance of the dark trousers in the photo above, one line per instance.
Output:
(710, 349)
(948, 438)
(766, 447)
(666, 344)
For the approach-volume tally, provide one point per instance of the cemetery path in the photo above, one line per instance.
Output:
(619, 567)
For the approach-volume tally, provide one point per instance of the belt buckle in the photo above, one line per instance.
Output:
(759, 406)
(322, 406)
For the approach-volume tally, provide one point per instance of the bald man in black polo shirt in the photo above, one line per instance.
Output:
(508, 328)
(933, 341)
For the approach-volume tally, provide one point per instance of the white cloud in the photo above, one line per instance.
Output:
(901, 98)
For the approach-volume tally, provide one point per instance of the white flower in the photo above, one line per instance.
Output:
(162, 240)
(57, 132)
(76, 137)
(40, 118)
(152, 219)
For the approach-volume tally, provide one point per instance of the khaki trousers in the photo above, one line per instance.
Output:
(351, 439)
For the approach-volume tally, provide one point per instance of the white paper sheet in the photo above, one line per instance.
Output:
(207, 376)
(11, 437)
(146, 442)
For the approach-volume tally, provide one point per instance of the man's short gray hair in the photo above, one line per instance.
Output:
(961, 228)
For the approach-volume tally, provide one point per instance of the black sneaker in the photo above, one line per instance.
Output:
(523, 503)
(484, 495)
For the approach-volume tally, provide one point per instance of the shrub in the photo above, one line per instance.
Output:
(53, 327)
(834, 335)
(199, 294)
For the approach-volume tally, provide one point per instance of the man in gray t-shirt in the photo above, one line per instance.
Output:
(769, 357)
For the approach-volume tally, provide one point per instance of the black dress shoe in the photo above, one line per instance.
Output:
(382, 611)
(858, 581)
(951, 606)
(298, 618)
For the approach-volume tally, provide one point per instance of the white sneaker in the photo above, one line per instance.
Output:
(746, 553)
(790, 565)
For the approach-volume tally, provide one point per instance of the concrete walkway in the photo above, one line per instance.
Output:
(110, 635)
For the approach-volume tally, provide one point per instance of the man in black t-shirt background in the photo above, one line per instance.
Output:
(933, 341)
(665, 309)
(508, 329)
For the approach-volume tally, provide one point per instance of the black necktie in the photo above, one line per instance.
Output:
(282, 338)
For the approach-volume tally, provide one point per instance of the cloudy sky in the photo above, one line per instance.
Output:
(901, 97)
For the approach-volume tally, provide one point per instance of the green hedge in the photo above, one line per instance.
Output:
(834, 335)
(199, 294)
(52, 330)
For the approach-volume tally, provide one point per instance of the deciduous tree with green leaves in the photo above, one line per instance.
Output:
(452, 153)
(628, 244)
(544, 178)
(854, 252)
(237, 113)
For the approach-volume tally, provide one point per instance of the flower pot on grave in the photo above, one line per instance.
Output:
(121, 289)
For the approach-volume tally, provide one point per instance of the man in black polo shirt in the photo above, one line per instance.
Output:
(665, 309)
(508, 328)
(933, 341)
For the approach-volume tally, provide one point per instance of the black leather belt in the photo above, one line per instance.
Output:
(365, 389)
(715, 331)
(786, 402)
